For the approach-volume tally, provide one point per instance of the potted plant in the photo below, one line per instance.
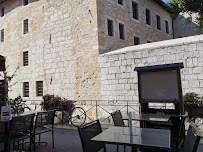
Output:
(193, 104)
(16, 104)
(55, 102)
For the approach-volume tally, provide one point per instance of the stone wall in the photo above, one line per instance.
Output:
(62, 43)
(110, 9)
(119, 80)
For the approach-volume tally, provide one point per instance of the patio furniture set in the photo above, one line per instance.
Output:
(146, 139)
(27, 125)
(161, 129)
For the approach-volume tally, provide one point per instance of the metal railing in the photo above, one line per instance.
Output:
(102, 109)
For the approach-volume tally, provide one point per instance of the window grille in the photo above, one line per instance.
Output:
(39, 88)
(25, 26)
(26, 89)
(2, 35)
(25, 58)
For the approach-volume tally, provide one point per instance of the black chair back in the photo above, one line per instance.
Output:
(45, 118)
(20, 124)
(117, 118)
(192, 139)
(87, 132)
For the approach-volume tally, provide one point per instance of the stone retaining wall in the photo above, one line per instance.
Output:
(119, 80)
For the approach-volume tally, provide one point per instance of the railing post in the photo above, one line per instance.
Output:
(96, 111)
(127, 107)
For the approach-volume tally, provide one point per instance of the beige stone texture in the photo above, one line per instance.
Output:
(62, 43)
(65, 39)
(110, 9)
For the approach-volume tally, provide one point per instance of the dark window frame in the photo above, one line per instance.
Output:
(135, 10)
(25, 2)
(121, 31)
(2, 35)
(158, 22)
(25, 58)
(25, 26)
(110, 27)
(167, 27)
(148, 16)
(25, 89)
(120, 2)
(2, 12)
(39, 88)
(136, 38)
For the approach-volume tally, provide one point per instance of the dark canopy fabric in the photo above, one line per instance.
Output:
(2, 63)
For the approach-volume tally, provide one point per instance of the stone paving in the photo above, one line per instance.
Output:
(67, 140)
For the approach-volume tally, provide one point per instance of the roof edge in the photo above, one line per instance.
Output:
(163, 5)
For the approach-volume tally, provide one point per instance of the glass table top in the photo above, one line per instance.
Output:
(148, 137)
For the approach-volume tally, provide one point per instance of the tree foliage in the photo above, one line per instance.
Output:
(190, 6)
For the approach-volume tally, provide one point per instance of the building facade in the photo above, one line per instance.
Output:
(54, 45)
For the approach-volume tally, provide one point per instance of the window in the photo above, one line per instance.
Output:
(136, 40)
(167, 27)
(121, 31)
(135, 10)
(2, 35)
(110, 27)
(25, 58)
(2, 12)
(148, 17)
(25, 2)
(26, 89)
(158, 22)
(39, 88)
(120, 2)
(25, 26)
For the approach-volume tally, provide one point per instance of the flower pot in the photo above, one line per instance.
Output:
(195, 112)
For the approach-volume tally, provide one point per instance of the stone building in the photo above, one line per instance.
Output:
(56, 44)
(186, 25)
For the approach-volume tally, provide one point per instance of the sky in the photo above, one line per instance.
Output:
(166, 1)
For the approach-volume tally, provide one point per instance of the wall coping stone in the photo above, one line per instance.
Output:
(156, 45)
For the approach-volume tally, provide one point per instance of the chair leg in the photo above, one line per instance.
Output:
(104, 148)
(34, 142)
(39, 138)
(117, 148)
(23, 144)
(52, 137)
(124, 148)
(30, 149)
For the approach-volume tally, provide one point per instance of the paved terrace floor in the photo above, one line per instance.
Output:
(67, 140)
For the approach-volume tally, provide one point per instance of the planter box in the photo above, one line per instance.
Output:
(195, 112)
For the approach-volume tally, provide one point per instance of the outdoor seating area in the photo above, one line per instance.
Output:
(155, 130)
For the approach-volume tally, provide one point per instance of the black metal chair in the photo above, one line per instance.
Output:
(192, 139)
(44, 123)
(118, 121)
(117, 118)
(87, 132)
(19, 129)
(178, 139)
